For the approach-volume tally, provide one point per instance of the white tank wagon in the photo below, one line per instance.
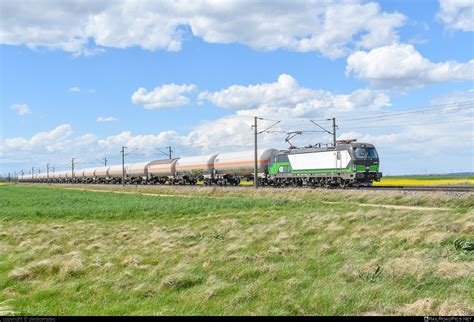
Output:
(61, 176)
(45, 177)
(161, 171)
(39, 177)
(56, 176)
(101, 174)
(192, 169)
(137, 172)
(115, 172)
(231, 167)
(52, 176)
(87, 175)
(71, 176)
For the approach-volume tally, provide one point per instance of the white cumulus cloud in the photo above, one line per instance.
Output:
(106, 119)
(402, 66)
(330, 27)
(60, 139)
(165, 96)
(20, 109)
(457, 14)
(144, 145)
(285, 99)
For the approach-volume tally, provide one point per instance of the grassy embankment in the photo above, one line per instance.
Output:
(214, 251)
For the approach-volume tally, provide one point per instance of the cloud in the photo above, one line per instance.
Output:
(457, 14)
(106, 119)
(165, 96)
(224, 133)
(55, 140)
(20, 109)
(330, 27)
(401, 66)
(285, 98)
(145, 144)
(74, 89)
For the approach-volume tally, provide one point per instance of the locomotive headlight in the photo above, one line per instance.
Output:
(354, 167)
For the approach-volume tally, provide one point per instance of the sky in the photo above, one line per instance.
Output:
(81, 79)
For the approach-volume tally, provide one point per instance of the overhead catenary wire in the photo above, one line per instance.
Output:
(408, 124)
(386, 115)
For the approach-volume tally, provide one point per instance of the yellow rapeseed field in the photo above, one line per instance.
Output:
(424, 181)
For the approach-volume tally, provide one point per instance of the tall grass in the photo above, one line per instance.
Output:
(5, 309)
(223, 252)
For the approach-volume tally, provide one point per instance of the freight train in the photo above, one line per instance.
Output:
(348, 163)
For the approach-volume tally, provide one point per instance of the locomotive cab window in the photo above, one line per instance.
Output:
(372, 153)
(365, 153)
(360, 153)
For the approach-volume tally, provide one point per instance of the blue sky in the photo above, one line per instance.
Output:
(207, 74)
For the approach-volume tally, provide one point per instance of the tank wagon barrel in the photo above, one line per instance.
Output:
(161, 171)
(190, 170)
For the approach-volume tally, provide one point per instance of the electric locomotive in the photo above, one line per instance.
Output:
(349, 163)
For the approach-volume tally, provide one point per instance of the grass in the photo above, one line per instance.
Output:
(467, 180)
(231, 251)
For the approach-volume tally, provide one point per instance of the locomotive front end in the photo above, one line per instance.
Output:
(365, 163)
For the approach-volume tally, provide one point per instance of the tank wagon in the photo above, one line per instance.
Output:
(160, 171)
(190, 170)
(349, 163)
(230, 168)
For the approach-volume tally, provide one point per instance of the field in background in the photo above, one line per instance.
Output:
(467, 180)
(232, 251)
(430, 180)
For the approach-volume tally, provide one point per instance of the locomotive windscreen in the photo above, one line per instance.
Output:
(366, 153)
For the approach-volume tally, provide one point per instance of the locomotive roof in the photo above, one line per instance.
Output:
(339, 147)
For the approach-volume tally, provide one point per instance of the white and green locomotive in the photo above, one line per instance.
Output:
(347, 164)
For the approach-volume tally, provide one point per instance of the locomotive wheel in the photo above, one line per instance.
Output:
(343, 184)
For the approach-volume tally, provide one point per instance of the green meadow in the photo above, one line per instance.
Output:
(211, 251)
